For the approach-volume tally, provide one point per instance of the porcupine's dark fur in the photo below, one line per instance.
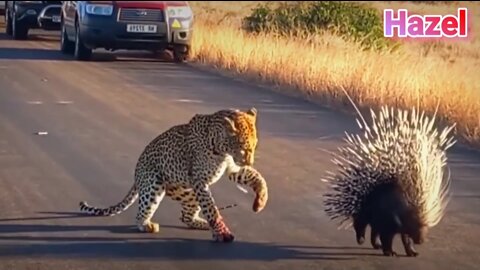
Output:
(388, 213)
(392, 179)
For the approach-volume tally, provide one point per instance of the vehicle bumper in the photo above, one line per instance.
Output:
(107, 32)
(49, 17)
(29, 15)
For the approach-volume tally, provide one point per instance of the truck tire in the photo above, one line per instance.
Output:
(81, 52)
(8, 22)
(19, 29)
(181, 53)
(66, 46)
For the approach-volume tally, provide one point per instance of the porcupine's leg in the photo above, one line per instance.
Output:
(360, 226)
(408, 245)
(190, 207)
(387, 243)
(374, 239)
(249, 176)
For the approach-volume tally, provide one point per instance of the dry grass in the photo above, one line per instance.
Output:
(420, 73)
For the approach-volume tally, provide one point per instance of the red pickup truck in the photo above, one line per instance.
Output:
(126, 25)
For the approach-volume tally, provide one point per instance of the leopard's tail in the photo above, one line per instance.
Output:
(112, 210)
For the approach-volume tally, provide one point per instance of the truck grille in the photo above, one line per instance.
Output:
(141, 15)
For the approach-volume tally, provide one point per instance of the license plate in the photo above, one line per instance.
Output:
(141, 28)
(56, 19)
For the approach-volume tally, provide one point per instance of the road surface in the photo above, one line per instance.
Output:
(100, 115)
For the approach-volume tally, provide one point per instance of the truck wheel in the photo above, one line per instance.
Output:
(180, 53)
(81, 52)
(8, 23)
(66, 46)
(19, 29)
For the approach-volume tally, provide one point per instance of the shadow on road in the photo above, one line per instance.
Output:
(472, 196)
(50, 215)
(4, 36)
(55, 54)
(32, 54)
(34, 37)
(170, 249)
(36, 228)
(15, 53)
(130, 244)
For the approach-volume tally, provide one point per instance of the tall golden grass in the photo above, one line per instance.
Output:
(420, 73)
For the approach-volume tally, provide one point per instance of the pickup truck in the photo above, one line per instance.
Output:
(126, 25)
(21, 16)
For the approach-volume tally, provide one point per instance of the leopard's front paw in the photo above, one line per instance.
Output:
(260, 201)
(224, 237)
(221, 233)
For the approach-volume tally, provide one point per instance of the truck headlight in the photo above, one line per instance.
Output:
(98, 9)
(179, 12)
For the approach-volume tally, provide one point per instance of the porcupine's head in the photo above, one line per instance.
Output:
(400, 146)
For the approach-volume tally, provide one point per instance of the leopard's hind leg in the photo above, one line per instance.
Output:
(150, 196)
(190, 207)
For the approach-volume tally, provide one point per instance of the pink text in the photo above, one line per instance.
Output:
(426, 26)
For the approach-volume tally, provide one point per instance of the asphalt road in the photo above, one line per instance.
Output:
(99, 116)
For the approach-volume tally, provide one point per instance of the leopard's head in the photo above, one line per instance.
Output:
(241, 136)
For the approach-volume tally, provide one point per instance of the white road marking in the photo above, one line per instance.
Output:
(35, 102)
(64, 102)
(188, 101)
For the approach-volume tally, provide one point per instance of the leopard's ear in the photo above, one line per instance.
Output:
(231, 125)
(252, 111)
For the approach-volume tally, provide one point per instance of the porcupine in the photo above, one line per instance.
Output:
(392, 178)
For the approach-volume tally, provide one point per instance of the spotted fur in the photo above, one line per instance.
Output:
(184, 161)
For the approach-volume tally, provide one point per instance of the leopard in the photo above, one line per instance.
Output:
(184, 162)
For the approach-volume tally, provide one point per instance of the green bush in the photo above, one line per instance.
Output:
(353, 21)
